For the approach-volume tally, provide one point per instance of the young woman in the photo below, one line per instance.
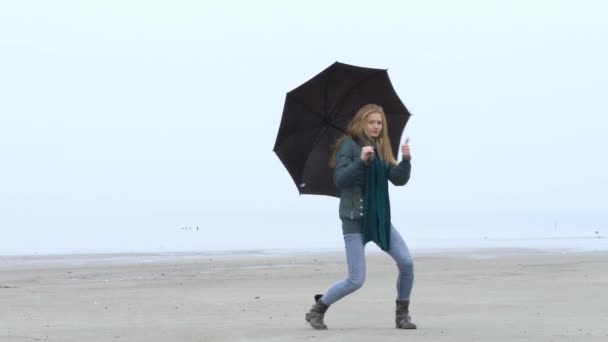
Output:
(363, 164)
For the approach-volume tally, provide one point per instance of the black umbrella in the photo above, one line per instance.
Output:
(316, 114)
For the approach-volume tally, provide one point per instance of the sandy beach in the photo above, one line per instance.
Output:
(459, 295)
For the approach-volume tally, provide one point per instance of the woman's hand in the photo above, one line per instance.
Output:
(366, 153)
(405, 151)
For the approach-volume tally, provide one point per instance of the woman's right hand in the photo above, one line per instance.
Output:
(366, 153)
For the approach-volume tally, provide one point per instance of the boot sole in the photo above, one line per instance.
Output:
(317, 327)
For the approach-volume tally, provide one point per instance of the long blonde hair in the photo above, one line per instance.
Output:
(356, 130)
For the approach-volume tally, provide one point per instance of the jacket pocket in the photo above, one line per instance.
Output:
(346, 205)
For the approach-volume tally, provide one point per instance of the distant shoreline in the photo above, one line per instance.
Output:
(34, 261)
(416, 245)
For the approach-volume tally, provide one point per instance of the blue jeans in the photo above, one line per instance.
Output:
(355, 258)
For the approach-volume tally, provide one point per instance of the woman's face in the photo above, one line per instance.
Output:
(373, 125)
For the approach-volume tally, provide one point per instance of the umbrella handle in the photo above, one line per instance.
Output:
(370, 159)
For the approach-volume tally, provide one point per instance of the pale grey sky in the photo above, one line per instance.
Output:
(123, 121)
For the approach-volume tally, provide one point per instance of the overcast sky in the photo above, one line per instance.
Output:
(121, 122)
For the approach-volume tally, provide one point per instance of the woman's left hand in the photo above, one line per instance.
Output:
(405, 151)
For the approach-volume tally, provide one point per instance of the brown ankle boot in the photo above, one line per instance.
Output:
(402, 315)
(317, 313)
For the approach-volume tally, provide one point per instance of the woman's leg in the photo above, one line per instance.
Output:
(400, 253)
(355, 259)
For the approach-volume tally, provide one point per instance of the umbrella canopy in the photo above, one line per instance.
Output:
(317, 113)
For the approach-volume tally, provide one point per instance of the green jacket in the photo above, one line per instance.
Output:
(349, 176)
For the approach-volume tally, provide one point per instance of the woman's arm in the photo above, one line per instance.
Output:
(400, 173)
(349, 167)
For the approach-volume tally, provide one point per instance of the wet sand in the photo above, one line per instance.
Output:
(459, 295)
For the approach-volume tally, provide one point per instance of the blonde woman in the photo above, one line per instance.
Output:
(363, 165)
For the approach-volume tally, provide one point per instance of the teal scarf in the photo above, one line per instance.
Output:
(377, 215)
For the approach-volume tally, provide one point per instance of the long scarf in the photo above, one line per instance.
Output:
(377, 215)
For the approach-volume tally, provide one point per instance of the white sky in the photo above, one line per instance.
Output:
(123, 121)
